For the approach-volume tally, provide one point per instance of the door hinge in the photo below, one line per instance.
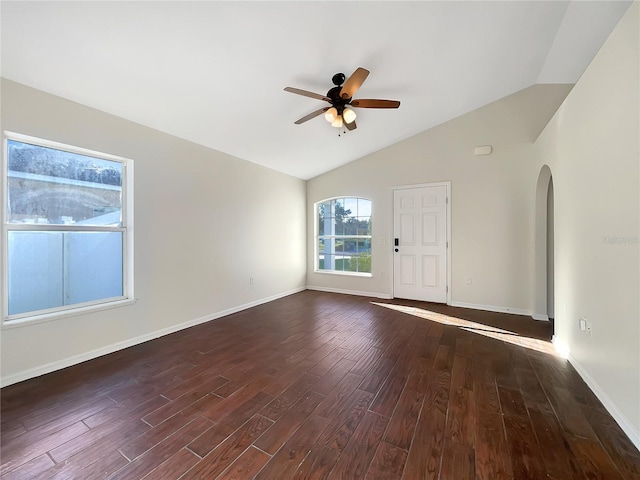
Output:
(447, 289)
(447, 244)
(446, 200)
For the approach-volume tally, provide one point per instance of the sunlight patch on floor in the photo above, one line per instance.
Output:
(479, 328)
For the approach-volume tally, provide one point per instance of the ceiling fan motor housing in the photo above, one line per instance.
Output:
(336, 100)
(338, 79)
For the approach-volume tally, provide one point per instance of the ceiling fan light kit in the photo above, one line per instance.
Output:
(337, 122)
(341, 98)
(348, 115)
(331, 114)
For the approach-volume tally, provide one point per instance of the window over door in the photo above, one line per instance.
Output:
(343, 239)
(66, 228)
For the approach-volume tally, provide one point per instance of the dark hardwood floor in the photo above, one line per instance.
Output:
(319, 385)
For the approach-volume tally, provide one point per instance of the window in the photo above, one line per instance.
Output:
(344, 235)
(66, 228)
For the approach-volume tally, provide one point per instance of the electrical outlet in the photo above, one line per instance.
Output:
(468, 281)
(250, 280)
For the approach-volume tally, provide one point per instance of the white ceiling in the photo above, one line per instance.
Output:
(213, 72)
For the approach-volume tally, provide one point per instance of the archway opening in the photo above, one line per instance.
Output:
(550, 252)
(544, 247)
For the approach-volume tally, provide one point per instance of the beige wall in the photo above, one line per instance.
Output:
(204, 223)
(491, 207)
(592, 146)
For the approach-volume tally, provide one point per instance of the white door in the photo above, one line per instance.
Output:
(420, 243)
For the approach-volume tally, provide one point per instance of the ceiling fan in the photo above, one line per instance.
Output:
(340, 98)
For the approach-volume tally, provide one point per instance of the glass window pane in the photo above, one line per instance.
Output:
(51, 186)
(364, 226)
(53, 269)
(324, 211)
(349, 264)
(364, 262)
(326, 262)
(321, 245)
(353, 266)
(364, 245)
(339, 208)
(351, 227)
(351, 206)
(364, 207)
(326, 225)
(339, 226)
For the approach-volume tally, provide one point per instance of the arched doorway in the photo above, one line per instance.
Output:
(544, 246)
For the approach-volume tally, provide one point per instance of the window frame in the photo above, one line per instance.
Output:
(317, 237)
(126, 229)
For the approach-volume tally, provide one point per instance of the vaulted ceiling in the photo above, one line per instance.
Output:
(213, 72)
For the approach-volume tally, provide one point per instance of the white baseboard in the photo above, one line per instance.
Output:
(540, 316)
(611, 407)
(474, 306)
(492, 308)
(83, 357)
(350, 292)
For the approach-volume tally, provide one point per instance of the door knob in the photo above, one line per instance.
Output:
(396, 249)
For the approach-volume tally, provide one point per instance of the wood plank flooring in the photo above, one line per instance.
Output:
(321, 386)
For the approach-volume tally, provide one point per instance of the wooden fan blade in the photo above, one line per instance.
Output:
(372, 103)
(354, 82)
(311, 115)
(304, 93)
(351, 126)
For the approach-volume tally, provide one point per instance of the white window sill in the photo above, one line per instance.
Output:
(71, 312)
(348, 274)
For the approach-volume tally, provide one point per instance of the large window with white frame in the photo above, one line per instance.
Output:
(343, 236)
(67, 239)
